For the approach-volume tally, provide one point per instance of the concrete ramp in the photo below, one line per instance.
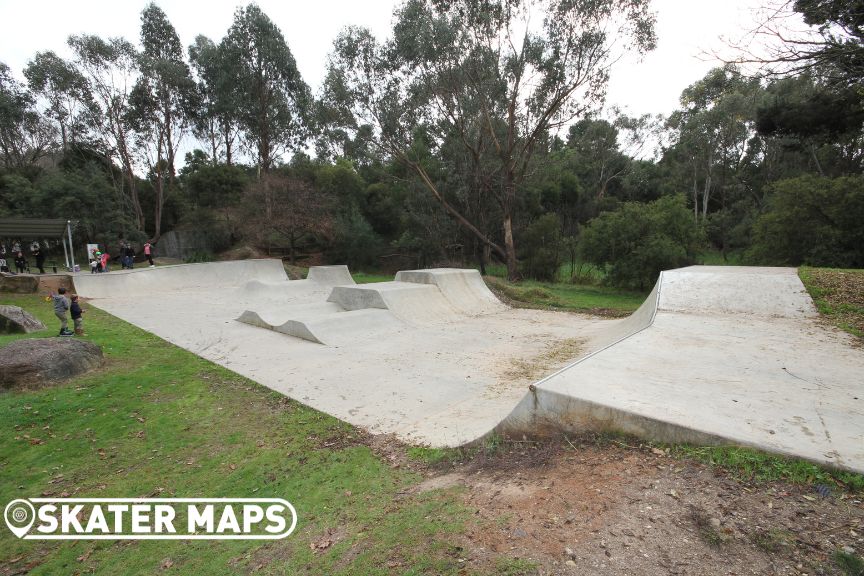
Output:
(730, 356)
(413, 303)
(463, 289)
(182, 277)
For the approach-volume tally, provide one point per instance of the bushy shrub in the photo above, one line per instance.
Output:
(542, 248)
(354, 243)
(812, 220)
(637, 241)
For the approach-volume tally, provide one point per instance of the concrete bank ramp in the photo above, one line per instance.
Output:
(729, 356)
(182, 277)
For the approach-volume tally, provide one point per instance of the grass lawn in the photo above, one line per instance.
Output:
(159, 421)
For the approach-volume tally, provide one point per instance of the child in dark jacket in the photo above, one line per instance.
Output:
(76, 312)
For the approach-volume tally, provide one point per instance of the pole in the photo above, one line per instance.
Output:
(65, 253)
(71, 251)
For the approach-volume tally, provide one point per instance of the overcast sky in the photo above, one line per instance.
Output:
(685, 28)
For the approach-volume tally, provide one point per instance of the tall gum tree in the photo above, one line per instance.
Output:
(273, 99)
(111, 68)
(162, 104)
(499, 75)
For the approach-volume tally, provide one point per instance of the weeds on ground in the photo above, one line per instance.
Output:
(850, 564)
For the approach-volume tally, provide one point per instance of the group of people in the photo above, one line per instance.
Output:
(20, 260)
(99, 260)
(62, 305)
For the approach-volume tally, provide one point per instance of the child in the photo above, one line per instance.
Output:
(93, 265)
(20, 263)
(61, 305)
(76, 312)
(148, 253)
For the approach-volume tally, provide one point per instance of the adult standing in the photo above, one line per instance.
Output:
(148, 252)
(40, 259)
(130, 256)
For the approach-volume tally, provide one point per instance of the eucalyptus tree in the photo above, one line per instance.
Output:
(161, 104)
(110, 68)
(217, 117)
(273, 101)
(24, 135)
(498, 75)
(712, 131)
(67, 96)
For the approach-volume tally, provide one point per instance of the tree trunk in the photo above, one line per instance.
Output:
(510, 248)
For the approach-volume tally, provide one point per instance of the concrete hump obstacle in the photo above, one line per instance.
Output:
(181, 277)
(330, 275)
(464, 289)
(332, 329)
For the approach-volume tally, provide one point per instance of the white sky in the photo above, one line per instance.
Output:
(685, 28)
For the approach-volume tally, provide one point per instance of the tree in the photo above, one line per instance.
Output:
(217, 118)
(65, 90)
(282, 210)
(484, 73)
(812, 220)
(638, 241)
(110, 67)
(24, 135)
(273, 98)
(161, 104)
(831, 46)
(712, 131)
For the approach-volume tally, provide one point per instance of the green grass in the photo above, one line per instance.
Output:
(849, 564)
(157, 420)
(569, 296)
(755, 466)
(366, 278)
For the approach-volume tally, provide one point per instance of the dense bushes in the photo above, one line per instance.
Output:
(637, 241)
(541, 248)
(812, 220)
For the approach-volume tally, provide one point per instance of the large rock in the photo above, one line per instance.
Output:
(14, 319)
(37, 361)
(19, 283)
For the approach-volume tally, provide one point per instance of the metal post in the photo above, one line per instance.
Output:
(71, 250)
(65, 253)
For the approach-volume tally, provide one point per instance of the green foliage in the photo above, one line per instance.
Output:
(272, 98)
(755, 466)
(850, 564)
(542, 248)
(210, 186)
(638, 241)
(355, 243)
(814, 221)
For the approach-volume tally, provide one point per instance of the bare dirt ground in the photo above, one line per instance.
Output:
(584, 507)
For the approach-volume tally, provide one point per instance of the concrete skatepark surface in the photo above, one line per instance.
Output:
(714, 355)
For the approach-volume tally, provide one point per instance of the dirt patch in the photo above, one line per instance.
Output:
(555, 355)
(843, 293)
(589, 509)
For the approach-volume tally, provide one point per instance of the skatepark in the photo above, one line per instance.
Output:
(715, 355)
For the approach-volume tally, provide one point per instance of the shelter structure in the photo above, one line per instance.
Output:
(41, 229)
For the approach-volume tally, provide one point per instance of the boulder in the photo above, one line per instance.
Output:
(19, 283)
(37, 361)
(16, 320)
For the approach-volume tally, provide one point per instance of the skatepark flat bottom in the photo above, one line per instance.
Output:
(714, 355)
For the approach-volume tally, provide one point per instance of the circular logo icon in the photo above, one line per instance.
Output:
(19, 515)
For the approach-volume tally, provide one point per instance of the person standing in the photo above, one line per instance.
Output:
(20, 263)
(61, 305)
(77, 316)
(148, 252)
(40, 259)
